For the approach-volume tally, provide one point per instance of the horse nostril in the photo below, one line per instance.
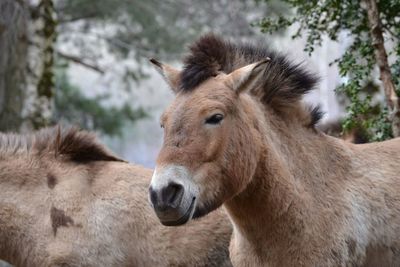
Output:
(169, 197)
(172, 195)
(153, 196)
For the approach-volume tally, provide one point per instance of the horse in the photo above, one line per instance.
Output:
(66, 200)
(238, 134)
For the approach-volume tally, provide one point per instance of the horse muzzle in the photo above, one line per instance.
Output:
(173, 195)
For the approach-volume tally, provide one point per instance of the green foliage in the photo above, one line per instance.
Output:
(90, 113)
(395, 67)
(315, 19)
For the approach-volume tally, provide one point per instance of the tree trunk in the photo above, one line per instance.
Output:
(44, 104)
(13, 60)
(376, 32)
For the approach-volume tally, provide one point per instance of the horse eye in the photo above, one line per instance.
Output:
(162, 125)
(215, 119)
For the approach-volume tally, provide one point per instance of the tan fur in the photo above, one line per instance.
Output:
(295, 196)
(170, 74)
(55, 211)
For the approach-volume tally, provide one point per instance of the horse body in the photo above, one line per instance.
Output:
(238, 135)
(343, 211)
(66, 201)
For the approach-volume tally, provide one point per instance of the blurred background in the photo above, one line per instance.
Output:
(85, 62)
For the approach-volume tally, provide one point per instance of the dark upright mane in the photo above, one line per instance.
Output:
(283, 82)
(69, 142)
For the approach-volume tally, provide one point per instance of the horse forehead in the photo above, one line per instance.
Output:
(210, 94)
(179, 106)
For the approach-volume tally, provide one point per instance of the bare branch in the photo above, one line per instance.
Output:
(74, 19)
(387, 28)
(78, 60)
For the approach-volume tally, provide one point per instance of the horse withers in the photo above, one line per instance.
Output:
(237, 134)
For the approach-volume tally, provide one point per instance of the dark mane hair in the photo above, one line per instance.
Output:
(283, 82)
(69, 142)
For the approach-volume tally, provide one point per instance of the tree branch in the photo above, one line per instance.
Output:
(387, 28)
(376, 31)
(62, 20)
(78, 60)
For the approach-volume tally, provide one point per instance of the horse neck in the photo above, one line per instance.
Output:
(279, 197)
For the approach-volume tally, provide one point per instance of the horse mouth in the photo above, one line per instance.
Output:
(184, 219)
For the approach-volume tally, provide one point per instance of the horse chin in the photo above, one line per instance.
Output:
(185, 218)
(202, 210)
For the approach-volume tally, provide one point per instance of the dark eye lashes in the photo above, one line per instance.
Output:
(215, 119)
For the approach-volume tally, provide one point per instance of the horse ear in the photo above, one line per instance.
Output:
(170, 74)
(245, 78)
